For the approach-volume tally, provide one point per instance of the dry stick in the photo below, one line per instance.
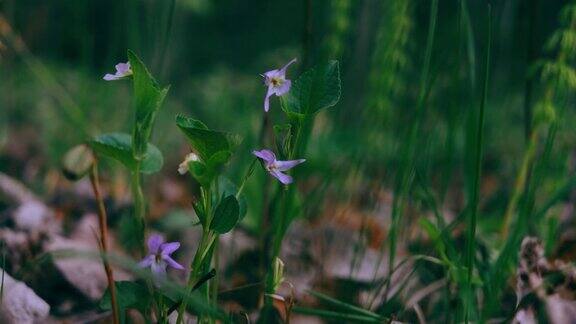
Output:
(102, 221)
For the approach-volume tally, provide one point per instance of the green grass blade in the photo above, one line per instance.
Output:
(474, 199)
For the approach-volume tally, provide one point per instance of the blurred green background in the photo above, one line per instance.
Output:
(54, 54)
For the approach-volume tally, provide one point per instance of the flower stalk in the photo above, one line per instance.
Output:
(139, 205)
(103, 226)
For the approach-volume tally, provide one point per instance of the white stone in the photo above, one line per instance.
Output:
(20, 305)
(32, 216)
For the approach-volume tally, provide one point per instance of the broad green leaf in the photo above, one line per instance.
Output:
(119, 147)
(227, 188)
(226, 215)
(204, 141)
(316, 89)
(129, 295)
(148, 97)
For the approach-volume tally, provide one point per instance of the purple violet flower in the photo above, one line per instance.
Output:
(277, 84)
(122, 70)
(158, 258)
(275, 167)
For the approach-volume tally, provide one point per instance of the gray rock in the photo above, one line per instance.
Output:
(20, 305)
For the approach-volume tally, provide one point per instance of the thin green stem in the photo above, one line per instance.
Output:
(406, 173)
(521, 179)
(249, 173)
(473, 208)
(201, 256)
(167, 32)
(139, 205)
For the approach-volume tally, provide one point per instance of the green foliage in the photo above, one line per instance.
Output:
(118, 146)
(316, 89)
(339, 27)
(130, 295)
(390, 59)
(213, 147)
(148, 97)
(226, 215)
(227, 188)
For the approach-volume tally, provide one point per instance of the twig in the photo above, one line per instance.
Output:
(102, 221)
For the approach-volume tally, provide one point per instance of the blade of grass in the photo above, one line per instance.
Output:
(475, 198)
(405, 175)
(344, 306)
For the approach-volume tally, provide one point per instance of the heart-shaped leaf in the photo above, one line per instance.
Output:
(148, 97)
(204, 141)
(316, 89)
(119, 147)
(226, 215)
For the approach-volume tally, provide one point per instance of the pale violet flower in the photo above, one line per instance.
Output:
(158, 258)
(183, 167)
(276, 167)
(122, 70)
(277, 84)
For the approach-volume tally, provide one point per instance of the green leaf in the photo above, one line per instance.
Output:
(148, 97)
(226, 215)
(283, 134)
(226, 188)
(131, 231)
(129, 295)
(316, 89)
(118, 146)
(204, 141)
(200, 172)
(218, 160)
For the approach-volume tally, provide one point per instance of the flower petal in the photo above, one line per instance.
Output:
(154, 243)
(266, 155)
(283, 88)
(183, 168)
(158, 271)
(147, 261)
(287, 165)
(110, 77)
(283, 70)
(269, 93)
(284, 178)
(169, 248)
(123, 68)
(270, 74)
(172, 263)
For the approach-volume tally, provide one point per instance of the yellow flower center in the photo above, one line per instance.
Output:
(276, 82)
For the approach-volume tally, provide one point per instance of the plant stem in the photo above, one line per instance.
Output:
(102, 222)
(471, 235)
(246, 177)
(200, 257)
(521, 180)
(166, 38)
(409, 152)
(139, 205)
